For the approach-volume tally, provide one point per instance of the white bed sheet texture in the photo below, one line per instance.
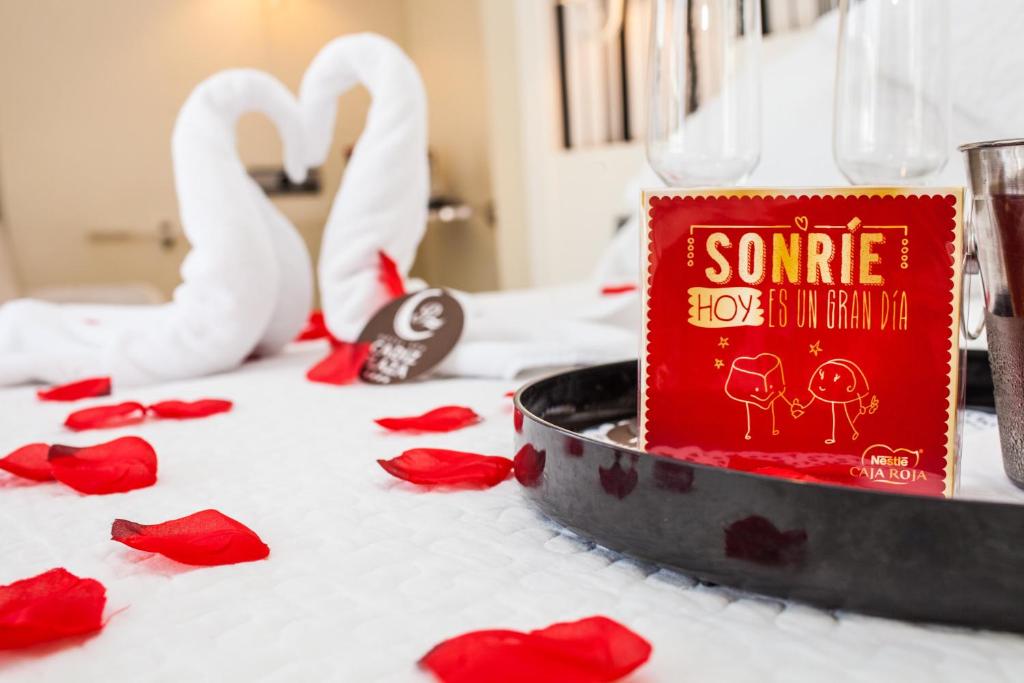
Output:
(366, 573)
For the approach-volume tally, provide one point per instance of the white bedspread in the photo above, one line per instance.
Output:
(367, 573)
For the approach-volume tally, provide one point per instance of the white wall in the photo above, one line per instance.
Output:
(8, 277)
(563, 202)
(444, 38)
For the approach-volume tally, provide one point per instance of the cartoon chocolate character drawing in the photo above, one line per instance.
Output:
(839, 382)
(757, 381)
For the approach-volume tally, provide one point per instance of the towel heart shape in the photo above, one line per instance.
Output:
(247, 283)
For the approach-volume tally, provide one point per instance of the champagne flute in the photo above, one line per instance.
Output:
(892, 106)
(704, 91)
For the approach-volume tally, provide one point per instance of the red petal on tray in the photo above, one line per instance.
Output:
(187, 410)
(342, 365)
(390, 277)
(433, 466)
(120, 465)
(592, 650)
(788, 473)
(315, 328)
(612, 290)
(785, 471)
(53, 605)
(86, 388)
(204, 538)
(106, 417)
(29, 462)
(443, 419)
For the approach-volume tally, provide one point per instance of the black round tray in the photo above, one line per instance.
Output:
(908, 557)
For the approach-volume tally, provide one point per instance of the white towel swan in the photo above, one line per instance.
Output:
(382, 202)
(234, 299)
(382, 205)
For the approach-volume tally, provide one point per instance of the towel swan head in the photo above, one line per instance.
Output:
(225, 97)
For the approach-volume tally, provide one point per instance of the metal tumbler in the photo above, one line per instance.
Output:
(995, 239)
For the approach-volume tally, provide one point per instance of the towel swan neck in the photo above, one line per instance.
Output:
(211, 114)
(262, 284)
(382, 200)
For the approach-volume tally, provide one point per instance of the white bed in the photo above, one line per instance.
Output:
(367, 573)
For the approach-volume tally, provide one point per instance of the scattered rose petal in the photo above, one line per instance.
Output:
(444, 419)
(342, 365)
(187, 410)
(612, 290)
(390, 276)
(430, 466)
(529, 465)
(106, 417)
(86, 388)
(315, 328)
(120, 465)
(204, 538)
(53, 605)
(510, 394)
(29, 462)
(591, 650)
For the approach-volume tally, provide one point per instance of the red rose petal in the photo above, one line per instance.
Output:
(120, 465)
(432, 466)
(444, 419)
(106, 417)
(390, 277)
(784, 471)
(29, 462)
(53, 605)
(86, 388)
(187, 410)
(612, 290)
(592, 650)
(315, 328)
(342, 365)
(204, 538)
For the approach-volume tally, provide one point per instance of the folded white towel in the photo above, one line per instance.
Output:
(233, 299)
(509, 333)
(382, 202)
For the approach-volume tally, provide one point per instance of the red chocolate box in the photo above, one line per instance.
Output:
(811, 334)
